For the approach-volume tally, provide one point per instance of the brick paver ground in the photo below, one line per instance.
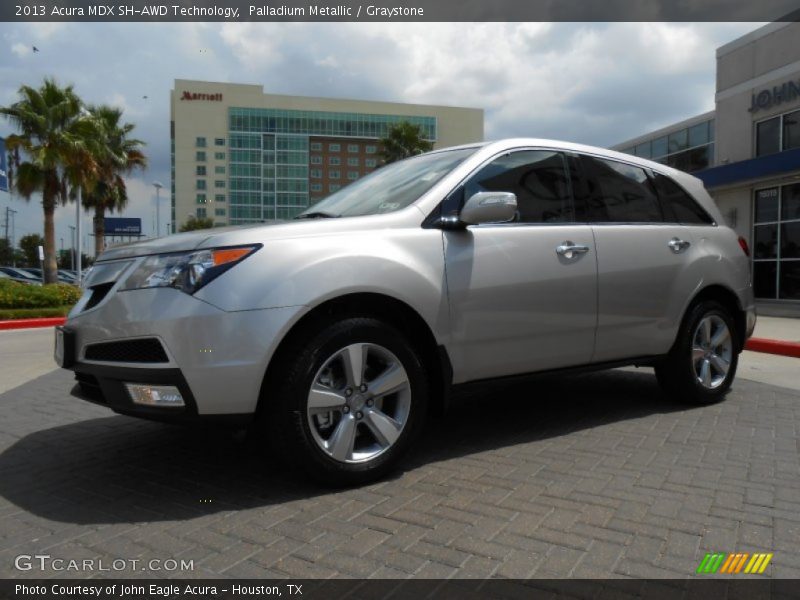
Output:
(591, 476)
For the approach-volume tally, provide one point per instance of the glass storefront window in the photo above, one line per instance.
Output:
(790, 240)
(766, 205)
(678, 140)
(791, 130)
(790, 280)
(698, 134)
(659, 147)
(790, 202)
(765, 279)
(643, 150)
(768, 136)
(766, 241)
(776, 243)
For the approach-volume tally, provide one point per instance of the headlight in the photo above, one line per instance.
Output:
(186, 271)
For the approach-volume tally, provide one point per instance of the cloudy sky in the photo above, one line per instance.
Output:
(596, 83)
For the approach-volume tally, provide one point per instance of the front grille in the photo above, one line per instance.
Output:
(144, 350)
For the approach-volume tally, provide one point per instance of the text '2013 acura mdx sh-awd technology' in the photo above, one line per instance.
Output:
(336, 333)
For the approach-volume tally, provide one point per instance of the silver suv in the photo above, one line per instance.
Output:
(334, 335)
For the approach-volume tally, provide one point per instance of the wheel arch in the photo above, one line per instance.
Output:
(369, 304)
(729, 300)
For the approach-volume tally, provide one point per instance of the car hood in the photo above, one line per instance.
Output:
(262, 233)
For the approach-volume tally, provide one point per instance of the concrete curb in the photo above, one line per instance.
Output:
(773, 347)
(31, 323)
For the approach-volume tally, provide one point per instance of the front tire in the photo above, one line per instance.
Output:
(701, 365)
(351, 399)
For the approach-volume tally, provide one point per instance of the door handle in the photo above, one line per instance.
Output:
(569, 249)
(678, 245)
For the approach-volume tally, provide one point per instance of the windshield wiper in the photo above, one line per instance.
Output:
(317, 215)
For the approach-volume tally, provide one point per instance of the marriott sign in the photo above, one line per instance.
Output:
(198, 96)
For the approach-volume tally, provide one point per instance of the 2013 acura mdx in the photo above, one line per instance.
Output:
(336, 333)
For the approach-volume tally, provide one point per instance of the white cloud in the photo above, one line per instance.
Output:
(593, 82)
(21, 50)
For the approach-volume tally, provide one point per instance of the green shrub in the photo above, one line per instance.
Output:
(33, 313)
(19, 295)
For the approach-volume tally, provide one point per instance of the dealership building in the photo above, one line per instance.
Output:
(242, 156)
(747, 152)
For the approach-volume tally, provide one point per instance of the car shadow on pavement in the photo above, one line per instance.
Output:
(122, 470)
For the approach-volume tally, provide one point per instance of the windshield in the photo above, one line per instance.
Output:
(390, 188)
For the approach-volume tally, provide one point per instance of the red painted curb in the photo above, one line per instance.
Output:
(30, 323)
(773, 347)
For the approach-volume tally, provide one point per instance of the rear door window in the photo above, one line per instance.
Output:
(621, 193)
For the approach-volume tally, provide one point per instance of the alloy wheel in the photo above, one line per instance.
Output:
(712, 350)
(359, 403)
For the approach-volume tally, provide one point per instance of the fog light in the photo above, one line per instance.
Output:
(155, 395)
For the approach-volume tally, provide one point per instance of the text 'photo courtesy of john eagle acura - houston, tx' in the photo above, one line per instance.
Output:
(335, 335)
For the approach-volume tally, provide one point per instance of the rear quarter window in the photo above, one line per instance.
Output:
(678, 204)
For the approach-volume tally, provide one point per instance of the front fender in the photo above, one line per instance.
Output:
(406, 264)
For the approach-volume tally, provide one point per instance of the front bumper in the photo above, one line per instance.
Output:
(216, 359)
(105, 385)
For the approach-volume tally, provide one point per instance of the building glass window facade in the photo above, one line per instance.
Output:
(269, 160)
(776, 243)
(688, 149)
(778, 134)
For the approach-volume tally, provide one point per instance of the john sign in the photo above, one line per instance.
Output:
(778, 94)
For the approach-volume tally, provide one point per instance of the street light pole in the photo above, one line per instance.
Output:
(158, 186)
(72, 246)
(78, 203)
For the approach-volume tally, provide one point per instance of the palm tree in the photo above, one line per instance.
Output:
(403, 140)
(52, 139)
(116, 155)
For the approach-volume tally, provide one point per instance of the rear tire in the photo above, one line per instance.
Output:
(348, 401)
(701, 365)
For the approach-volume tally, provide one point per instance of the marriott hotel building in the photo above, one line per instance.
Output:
(242, 156)
(747, 152)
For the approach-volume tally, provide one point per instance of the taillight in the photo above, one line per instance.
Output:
(744, 246)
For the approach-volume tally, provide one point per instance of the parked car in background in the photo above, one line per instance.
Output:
(20, 275)
(335, 334)
(36, 272)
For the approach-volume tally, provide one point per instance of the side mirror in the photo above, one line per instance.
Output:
(489, 207)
